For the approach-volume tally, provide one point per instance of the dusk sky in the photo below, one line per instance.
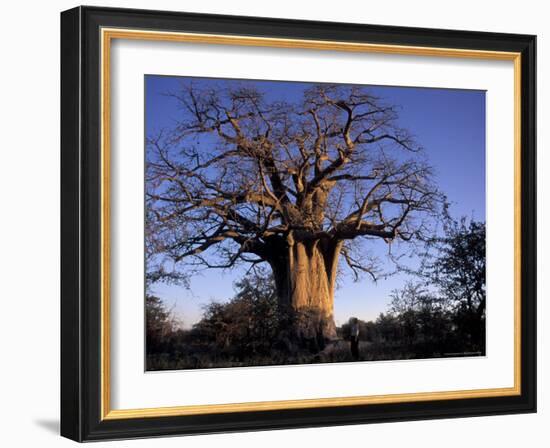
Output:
(448, 123)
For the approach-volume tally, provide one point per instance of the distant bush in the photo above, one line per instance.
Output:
(248, 325)
(160, 325)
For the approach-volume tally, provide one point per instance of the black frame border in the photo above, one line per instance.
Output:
(81, 223)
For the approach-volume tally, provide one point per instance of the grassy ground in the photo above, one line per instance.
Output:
(200, 357)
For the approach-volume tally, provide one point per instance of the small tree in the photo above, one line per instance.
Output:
(388, 328)
(248, 324)
(159, 324)
(458, 270)
(422, 316)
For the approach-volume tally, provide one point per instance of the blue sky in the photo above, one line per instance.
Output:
(448, 123)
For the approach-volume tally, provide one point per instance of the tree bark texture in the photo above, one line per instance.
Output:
(305, 276)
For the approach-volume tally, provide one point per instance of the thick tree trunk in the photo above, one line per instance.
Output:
(305, 275)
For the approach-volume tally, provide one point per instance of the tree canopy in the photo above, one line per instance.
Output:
(241, 178)
(238, 171)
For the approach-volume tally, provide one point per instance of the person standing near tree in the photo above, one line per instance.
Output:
(354, 337)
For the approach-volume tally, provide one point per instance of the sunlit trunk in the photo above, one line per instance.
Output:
(305, 275)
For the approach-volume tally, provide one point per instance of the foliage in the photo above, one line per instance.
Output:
(247, 325)
(457, 268)
(159, 324)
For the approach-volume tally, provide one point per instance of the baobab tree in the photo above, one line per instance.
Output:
(298, 185)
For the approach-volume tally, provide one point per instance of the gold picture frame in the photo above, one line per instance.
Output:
(122, 25)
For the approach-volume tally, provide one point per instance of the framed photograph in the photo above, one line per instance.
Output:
(276, 224)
